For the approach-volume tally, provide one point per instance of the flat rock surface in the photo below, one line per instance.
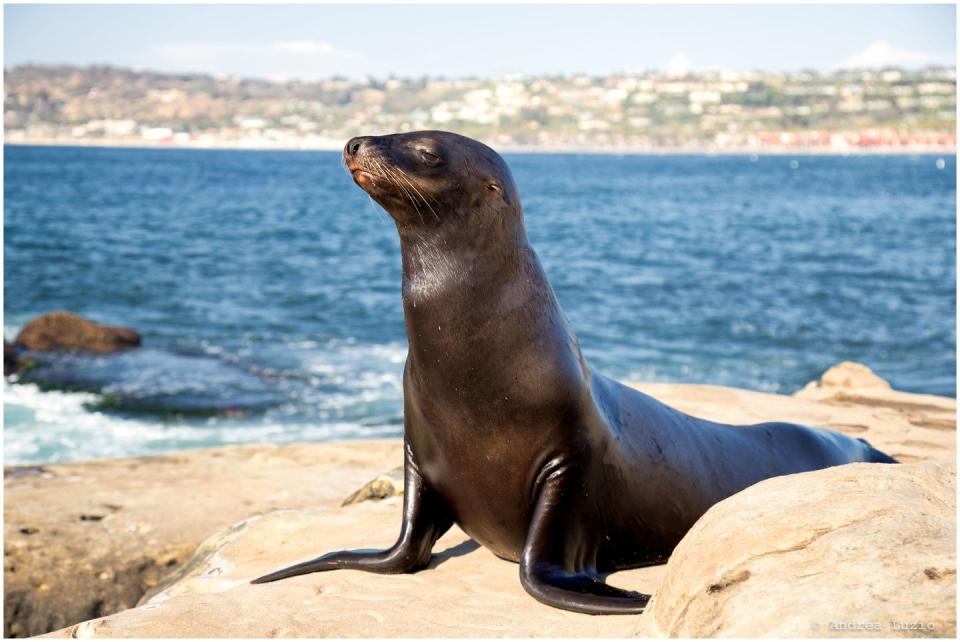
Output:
(466, 591)
(60, 568)
(88, 539)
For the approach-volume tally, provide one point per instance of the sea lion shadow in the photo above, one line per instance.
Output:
(465, 547)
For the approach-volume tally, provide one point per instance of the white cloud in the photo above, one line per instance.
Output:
(198, 50)
(278, 60)
(213, 49)
(311, 47)
(882, 54)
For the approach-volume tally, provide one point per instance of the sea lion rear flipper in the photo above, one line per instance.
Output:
(545, 570)
(425, 520)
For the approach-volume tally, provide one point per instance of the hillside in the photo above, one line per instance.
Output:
(840, 111)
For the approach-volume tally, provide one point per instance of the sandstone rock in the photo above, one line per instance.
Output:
(65, 331)
(386, 485)
(851, 550)
(847, 374)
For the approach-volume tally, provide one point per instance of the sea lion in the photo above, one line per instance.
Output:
(507, 431)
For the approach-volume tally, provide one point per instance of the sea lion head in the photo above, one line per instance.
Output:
(430, 178)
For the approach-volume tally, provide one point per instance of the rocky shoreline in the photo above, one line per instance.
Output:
(181, 534)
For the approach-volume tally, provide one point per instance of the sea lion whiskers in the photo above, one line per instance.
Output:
(392, 178)
(376, 208)
(403, 176)
(373, 204)
(395, 181)
(409, 182)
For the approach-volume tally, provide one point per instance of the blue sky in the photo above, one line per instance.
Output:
(461, 40)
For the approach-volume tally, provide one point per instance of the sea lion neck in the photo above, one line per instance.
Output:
(451, 286)
(454, 260)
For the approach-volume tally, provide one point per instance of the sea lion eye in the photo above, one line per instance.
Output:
(494, 187)
(427, 155)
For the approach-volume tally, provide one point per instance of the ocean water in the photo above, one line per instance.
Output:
(267, 286)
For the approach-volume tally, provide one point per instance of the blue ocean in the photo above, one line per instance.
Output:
(267, 286)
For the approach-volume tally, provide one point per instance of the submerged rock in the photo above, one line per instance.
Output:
(156, 382)
(66, 331)
(862, 549)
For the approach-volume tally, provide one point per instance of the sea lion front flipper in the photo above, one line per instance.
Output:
(548, 571)
(425, 519)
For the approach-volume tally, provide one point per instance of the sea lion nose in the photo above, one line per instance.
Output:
(354, 145)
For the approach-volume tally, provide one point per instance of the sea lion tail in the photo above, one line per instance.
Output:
(875, 456)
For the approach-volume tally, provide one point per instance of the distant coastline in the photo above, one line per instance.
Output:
(265, 145)
(890, 111)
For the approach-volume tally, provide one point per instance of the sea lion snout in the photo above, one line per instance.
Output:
(352, 149)
(356, 155)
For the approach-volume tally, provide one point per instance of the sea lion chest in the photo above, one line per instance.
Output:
(493, 390)
(484, 470)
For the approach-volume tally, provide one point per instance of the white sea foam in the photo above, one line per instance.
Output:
(358, 368)
(11, 330)
(354, 391)
(56, 426)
